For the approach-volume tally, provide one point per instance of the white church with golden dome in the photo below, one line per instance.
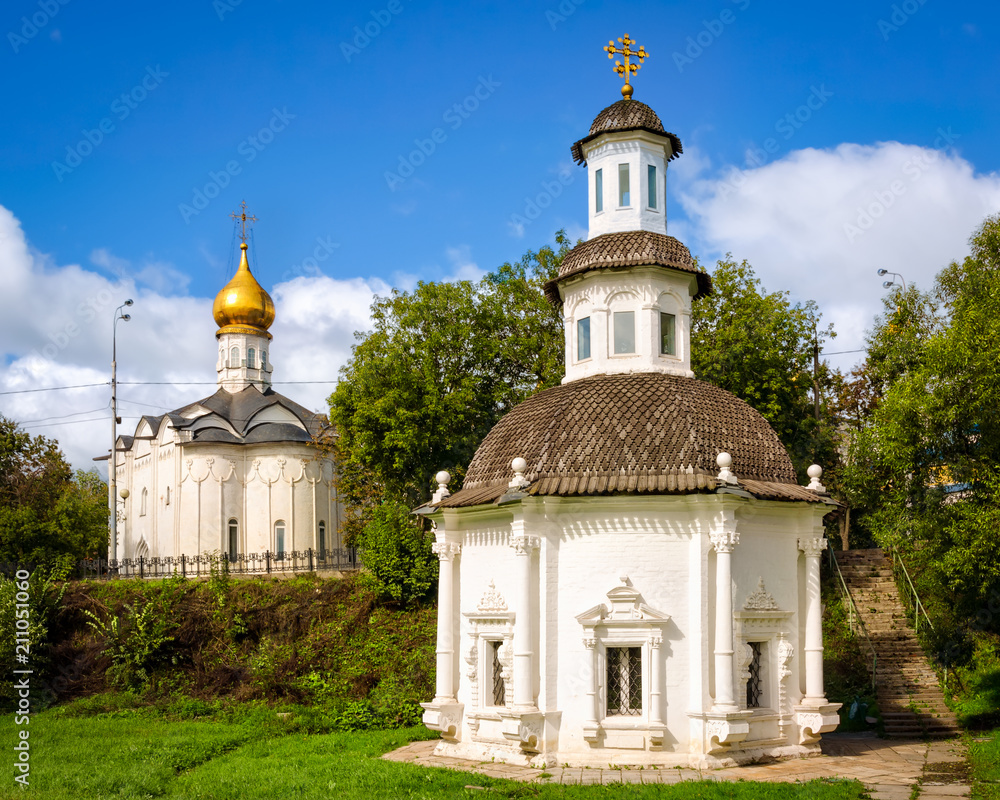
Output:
(235, 474)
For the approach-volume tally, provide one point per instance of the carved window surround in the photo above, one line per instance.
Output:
(491, 622)
(627, 623)
(761, 620)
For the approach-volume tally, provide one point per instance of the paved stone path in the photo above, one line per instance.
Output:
(890, 768)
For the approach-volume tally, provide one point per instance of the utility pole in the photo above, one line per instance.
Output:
(816, 378)
(113, 462)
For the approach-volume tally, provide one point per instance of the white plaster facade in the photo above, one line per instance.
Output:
(558, 581)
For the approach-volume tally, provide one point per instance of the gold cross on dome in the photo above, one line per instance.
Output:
(243, 219)
(628, 68)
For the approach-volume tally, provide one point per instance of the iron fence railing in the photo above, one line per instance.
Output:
(203, 565)
(913, 599)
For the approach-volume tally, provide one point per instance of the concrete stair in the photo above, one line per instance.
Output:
(908, 691)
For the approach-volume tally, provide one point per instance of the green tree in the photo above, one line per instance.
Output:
(440, 367)
(759, 346)
(397, 554)
(47, 512)
(925, 461)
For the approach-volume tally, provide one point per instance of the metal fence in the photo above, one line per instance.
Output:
(265, 563)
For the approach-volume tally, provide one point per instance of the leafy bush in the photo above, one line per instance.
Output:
(39, 597)
(397, 555)
(137, 641)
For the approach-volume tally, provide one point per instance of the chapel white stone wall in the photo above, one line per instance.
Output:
(663, 545)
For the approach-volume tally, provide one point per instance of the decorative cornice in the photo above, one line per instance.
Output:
(725, 541)
(445, 551)
(525, 543)
(812, 545)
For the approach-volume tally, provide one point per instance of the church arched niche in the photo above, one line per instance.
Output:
(233, 543)
(279, 539)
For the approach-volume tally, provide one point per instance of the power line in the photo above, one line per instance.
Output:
(147, 383)
(56, 388)
(841, 352)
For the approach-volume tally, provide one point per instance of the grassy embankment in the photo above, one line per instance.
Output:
(142, 753)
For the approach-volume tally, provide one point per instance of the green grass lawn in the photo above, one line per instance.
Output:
(984, 767)
(138, 754)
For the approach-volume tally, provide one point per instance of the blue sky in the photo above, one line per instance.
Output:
(305, 110)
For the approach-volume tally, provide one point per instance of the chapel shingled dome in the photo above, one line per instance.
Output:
(638, 433)
(626, 115)
(639, 248)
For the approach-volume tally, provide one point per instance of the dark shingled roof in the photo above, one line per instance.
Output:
(634, 433)
(627, 249)
(626, 115)
(239, 410)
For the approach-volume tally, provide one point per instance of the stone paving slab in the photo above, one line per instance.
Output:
(889, 768)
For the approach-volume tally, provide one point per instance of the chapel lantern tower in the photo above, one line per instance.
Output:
(244, 311)
(627, 291)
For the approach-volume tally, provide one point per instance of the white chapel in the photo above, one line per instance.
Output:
(236, 473)
(630, 572)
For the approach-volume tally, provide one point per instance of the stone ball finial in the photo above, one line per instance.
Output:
(814, 472)
(519, 465)
(725, 476)
(442, 478)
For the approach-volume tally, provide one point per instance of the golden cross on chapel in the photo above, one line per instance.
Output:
(244, 219)
(628, 68)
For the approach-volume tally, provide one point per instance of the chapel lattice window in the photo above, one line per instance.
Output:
(624, 681)
(755, 691)
(499, 693)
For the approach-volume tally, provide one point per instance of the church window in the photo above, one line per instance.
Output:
(755, 683)
(251, 359)
(583, 339)
(624, 681)
(322, 539)
(623, 188)
(624, 332)
(166, 497)
(279, 539)
(234, 539)
(142, 503)
(651, 185)
(496, 669)
(263, 359)
(668, 345)
(599, 191)
(234, 357)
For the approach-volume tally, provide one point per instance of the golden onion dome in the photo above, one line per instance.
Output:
(243, 306)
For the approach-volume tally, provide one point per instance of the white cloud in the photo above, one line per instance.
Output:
(819, 223)
(57, 332)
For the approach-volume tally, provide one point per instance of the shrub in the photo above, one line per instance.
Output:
(397, 555)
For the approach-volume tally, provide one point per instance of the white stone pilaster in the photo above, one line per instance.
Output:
(724, 539)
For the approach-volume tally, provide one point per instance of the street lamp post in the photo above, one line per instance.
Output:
(113, 463)
(888, 284)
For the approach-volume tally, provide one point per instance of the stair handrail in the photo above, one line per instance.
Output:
(918, 607)
(852, 612)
